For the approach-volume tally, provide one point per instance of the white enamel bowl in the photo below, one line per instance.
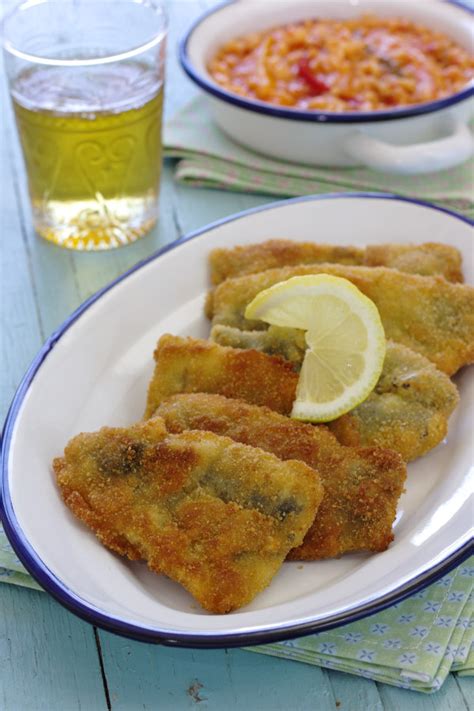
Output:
(94, 371)
(418, 139)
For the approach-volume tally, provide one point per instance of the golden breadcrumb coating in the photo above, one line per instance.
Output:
(361, 485)
(428, 314)
(217, 516)
(426, 259)
(194, 365)
(407, 411)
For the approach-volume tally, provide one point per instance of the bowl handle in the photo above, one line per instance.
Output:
(416, 158)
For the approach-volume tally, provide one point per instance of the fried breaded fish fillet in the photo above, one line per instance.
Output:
(361, 486)
(217, 516)
(408, 411)
(188, 365)
(427, 314)
(426, 259)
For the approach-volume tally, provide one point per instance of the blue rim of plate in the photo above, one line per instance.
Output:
(261, 107)
(52, 584)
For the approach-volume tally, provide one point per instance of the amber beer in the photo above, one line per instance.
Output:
(92, 146)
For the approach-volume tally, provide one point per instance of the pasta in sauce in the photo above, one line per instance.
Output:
(363, 64)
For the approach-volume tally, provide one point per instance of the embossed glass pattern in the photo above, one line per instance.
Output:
(86, 80)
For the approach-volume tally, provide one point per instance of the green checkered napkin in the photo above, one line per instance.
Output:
(414, 644)
(208, 158)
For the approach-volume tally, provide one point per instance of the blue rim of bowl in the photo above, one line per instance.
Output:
(261, 107)
(88, 612)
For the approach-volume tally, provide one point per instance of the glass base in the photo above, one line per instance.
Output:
(89, 225)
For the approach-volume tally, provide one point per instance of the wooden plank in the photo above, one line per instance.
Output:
(48, 658)
(141, 676)
(196, 207)
(466, 687)
(353, 692)
(20, 328)
(448, 698)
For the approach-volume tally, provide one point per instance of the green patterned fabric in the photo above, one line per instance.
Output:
(413, 644)
(466, 667)
(208, 158)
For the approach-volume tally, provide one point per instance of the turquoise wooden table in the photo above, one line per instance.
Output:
(49, 659)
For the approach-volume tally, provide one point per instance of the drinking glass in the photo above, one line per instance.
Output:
(86, 81)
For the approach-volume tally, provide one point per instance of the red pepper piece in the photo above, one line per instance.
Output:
(316, 85)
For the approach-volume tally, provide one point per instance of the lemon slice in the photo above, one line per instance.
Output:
(345, 338)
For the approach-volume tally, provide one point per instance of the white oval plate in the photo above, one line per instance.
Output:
(94, 371)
